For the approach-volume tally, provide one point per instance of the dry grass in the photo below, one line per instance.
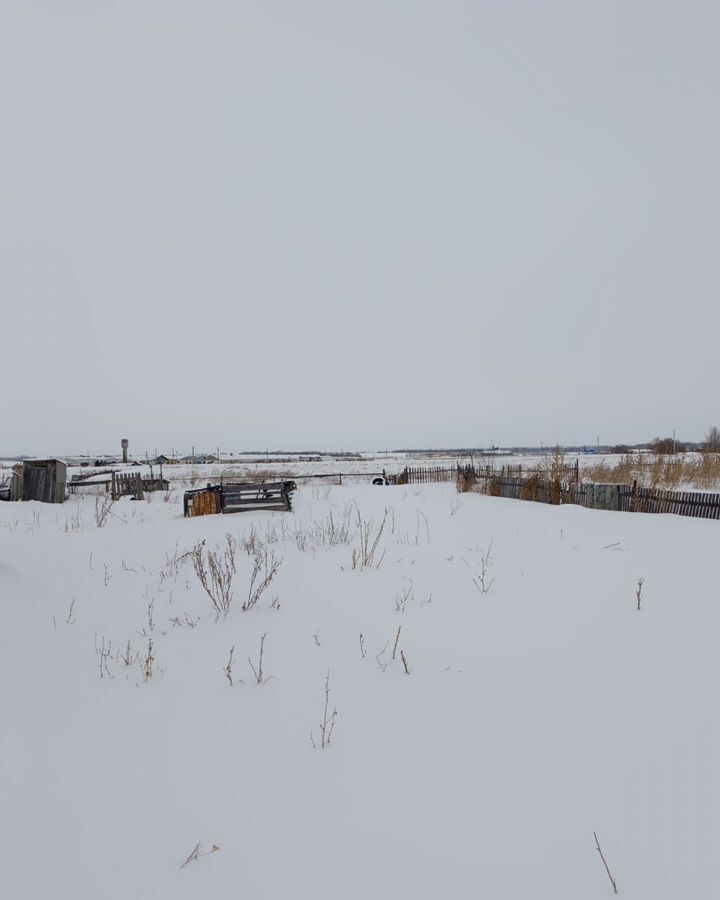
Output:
(549, 480)
(248, 474)
(466, 481)
(700, 470)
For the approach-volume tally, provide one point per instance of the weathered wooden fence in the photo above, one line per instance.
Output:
(682, 503)
(427, 474)
(564, 486)
(135, 484)
(620, 497)
(421, 475)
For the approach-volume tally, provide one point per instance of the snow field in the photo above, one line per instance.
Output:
(533, 714)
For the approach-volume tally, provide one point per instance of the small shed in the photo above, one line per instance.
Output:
(39, 479)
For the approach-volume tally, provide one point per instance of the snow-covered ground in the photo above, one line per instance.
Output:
(602, 467)
(533, 714)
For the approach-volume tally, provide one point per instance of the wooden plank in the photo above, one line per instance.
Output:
(714, 507)
(680, 505)
(694, 504)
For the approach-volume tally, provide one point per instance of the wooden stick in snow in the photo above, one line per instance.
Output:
(607, 868)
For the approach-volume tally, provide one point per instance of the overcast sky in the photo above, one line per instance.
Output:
(357, 224)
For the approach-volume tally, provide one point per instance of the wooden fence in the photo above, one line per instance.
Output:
(132, 483)
(682, 503)
(538, 485)
(426, 475)
(421, 475)
(620, 497)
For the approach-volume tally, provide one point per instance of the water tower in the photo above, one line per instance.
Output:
(124, 445)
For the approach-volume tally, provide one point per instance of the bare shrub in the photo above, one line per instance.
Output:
(330, 531)
(104, 653)
(481, 579)
(265, 566)
(401, 598)
(639, 591)
(74, 523)
(127, 657)
(327, 724)
(198, 852)
(364, 556)
(147, 662)
(250, 542)
(422, 515)
(663, 446)
(380, 658)
(712, 439)
(103, 507)
(215, 570)
(150, 617)
(228, 668)
(260, 678)
(173, 563)
(176, 621)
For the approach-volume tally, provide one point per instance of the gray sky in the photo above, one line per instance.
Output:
(367, 224)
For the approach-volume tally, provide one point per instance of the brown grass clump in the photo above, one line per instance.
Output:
(554, 475)
(707, 470)
(699, 470)
(531, 488)
(466, 481)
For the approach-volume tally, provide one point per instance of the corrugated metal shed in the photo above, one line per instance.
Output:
(39, 479)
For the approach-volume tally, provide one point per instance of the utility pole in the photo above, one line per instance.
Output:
(673, 442)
